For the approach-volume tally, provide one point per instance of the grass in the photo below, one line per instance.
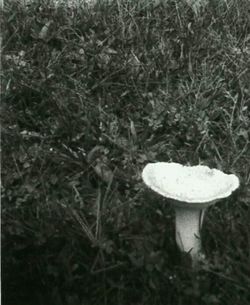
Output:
(89, 96)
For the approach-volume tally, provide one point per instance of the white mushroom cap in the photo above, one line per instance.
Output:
(195, 186)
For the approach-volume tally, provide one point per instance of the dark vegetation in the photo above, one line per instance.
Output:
(91, 95)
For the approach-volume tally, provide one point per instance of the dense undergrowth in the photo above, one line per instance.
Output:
(91, 95)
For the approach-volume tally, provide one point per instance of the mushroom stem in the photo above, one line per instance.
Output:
(188, 226)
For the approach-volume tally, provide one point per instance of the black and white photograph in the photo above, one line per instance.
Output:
(125, 152)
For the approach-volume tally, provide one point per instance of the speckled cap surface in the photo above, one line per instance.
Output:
(196, 185)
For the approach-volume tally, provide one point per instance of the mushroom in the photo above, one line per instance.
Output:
(190, 190)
